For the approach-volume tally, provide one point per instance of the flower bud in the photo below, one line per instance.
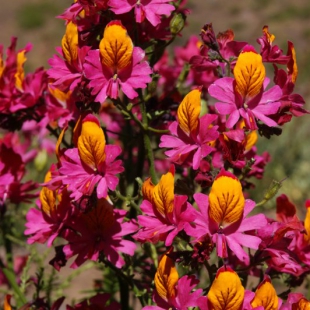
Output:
(272, 190)
(208, 36)
(177, 23)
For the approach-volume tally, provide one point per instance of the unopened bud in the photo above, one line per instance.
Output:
(177, 23)
(273, 189)
(208, 36)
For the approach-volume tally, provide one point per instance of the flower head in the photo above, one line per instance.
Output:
(117, 64)
(244, 95)
(191, 134)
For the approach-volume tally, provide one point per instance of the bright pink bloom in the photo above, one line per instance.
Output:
(190, 149)
(233, 236)
(122, 68)
(184, 297)
(155, 227)
(81, 179)
(151, 10)
(100, 230)
(231, 103)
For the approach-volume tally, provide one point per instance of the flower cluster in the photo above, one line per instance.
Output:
(154, 156)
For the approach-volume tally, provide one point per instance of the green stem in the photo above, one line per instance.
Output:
(10, 276)
(147, 145)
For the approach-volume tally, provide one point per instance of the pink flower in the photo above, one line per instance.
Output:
(191, 135)
(223, 215)
(166, 214)
(100, 230)
(245, 95)
(116, 65)
(151, 10)
(91, 164)
(66, 71)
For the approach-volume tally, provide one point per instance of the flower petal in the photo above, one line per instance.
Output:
(70, 42)
(249, 73)
(189, 111)
(166, 278)
(116, 46)
(265, 296)
(226, 292)
(226, 200)
(91, 142)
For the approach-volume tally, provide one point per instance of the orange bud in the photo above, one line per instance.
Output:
(266, 296)
(116, 46)
(226, 200)
(189, 111)
(226, 292)
(292, 64)
(7, 302)
(70, 42)
(249, 73)
(307, 224)
(270, 37)
(91, 142)
(20, 74)
(166, 278)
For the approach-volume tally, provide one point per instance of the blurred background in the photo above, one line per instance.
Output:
(34, 21)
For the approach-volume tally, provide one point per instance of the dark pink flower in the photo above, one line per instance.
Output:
(116, 65)
(152, 10)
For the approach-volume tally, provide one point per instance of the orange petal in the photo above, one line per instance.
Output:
(70, 42)
(302, 304)
(226, 292)
(147, 189)
(265, 296)
(48, 201)
(226, 200)
(163, 194)
(307, 222)
(116, 46)
(91, 142)
(58, 151)
(7, 302)
(19, 75)
(251, 139)
(270, 37)
(166, 278)
(1, 65)
(249, 73)
(292, 64)
(189, 111)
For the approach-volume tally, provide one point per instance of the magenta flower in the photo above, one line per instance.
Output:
(191, 135)
(47, 222)
(91, 164)
(116, 65)
(165, 213)
(245, 95)
(151, 10)
(100, 230)
(223, 215)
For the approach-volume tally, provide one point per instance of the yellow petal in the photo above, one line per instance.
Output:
(292, 64)
(70, 42)
(1, 65)
(226, 292)
(166, 278)
(226, 200)
(147, 189)
(58, 151)
(48, 201)
(91, 142)
(20, 74)
(249, 73)
(307, 222)
(7, 303)
(251, 139)
(270, 37)
(163, 194)
(60, 95)
(266, 296)
(116, 46)
(189, 111)
(302, 304)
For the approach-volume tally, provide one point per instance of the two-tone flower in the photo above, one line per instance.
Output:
(116, 65)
